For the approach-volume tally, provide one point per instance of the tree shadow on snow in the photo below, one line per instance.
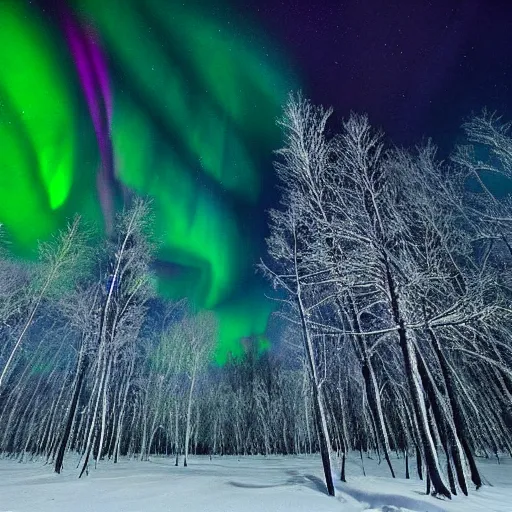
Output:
(296, 478)
(317, 483)
(376, 500)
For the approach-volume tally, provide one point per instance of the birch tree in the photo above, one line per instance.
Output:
(61, 261)
(126, 289)
(198, 336)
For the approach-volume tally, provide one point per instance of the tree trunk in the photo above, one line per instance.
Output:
(321, 422)
(92, 428)
(71, 415)
(419, 463)
(460, 426)
(176, 432)
(413, 381)
(104, 410)
(120, 420)
(189, 414)
(447, 432)
(372, 389)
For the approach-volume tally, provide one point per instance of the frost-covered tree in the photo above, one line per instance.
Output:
(60, 261)
(125, 290)
(388, 261)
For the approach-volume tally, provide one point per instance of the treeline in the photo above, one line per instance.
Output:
(393, 271)
(94, 362)
(396, 270)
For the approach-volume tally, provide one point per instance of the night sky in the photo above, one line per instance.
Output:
(416, 67)
(178, 102)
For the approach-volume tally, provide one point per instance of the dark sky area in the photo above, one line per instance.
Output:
(416, 67)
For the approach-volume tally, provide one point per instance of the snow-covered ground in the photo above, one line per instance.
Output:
(230, 484)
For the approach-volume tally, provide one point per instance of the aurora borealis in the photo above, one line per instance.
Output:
(98, 98)
(178, 101)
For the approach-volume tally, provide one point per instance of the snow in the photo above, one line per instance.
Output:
(231, 484)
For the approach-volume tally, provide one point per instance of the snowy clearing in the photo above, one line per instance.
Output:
(231, 484)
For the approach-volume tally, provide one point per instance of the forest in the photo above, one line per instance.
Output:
(392, 281)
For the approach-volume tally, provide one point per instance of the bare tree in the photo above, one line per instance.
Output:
(62, 260)
(199, 338)
(379, 262)
(127, 287)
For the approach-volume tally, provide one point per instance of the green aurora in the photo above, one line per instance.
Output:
(192, 126)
